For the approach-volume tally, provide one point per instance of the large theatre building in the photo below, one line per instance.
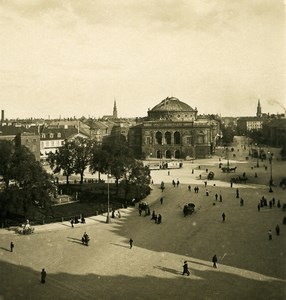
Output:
(173, 130)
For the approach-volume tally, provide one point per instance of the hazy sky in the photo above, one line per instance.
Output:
(73, 58)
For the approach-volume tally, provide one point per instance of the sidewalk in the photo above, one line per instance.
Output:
(67, 225)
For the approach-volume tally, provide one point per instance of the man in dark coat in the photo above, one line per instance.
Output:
(43, 276)
(214, 261)
(186, 268)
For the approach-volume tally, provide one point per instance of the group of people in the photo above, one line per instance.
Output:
(156, 217)
(263, 202)
(76, 221)
(85, 239)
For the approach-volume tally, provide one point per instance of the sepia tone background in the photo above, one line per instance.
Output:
(73, 58)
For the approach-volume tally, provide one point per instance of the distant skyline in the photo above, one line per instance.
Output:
(74, 58)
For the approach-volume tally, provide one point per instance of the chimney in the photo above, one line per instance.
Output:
(2, 116)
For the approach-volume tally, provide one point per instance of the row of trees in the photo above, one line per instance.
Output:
(33, 187)
(113, 157)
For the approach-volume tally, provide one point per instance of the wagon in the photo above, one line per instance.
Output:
(188, 209)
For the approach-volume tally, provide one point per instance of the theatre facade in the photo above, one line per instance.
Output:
(173, 130)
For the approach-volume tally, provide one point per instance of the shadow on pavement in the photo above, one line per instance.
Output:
(123, 246)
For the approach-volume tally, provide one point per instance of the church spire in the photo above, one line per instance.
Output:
(258, 112)
(114, 110)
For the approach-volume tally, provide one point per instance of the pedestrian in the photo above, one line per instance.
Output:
(220, 198)
(43, 276)
(153, 215)
(159, 219)
(186, 268)
(270, 204)
(277, 228)
(119, 214)
(156, 218)
(273, 201)
(216, 195)
(12, 246)
(214, 260)
(237, 193)
(174, 183)
(231, 183)
(131, 242)
(72, 222)
(178, 182)
(161, 200)
(200, 176)
(206, 183)
(269, 234)
(241, 202)
(207, 192)
(278, 204)
(192, 171)
(189, 187)
(258, 207)
(223, 216)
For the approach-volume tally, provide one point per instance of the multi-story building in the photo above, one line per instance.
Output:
(172, 130)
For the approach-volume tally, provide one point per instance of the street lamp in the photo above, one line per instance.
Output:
(271, 179)
(107, 216)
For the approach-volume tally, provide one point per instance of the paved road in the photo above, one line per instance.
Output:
(249, 265)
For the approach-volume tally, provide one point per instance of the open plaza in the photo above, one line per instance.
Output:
(249, 264)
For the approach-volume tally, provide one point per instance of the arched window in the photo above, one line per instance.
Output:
(159, 138)
(177, 138)
(168, 154)
(168, 138)
(159, 154)
(177, 154)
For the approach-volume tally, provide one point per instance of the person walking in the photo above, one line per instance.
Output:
(277, 228)
(72, 222)
(216, 195)
(43, 276)
(12, 245)
(237, 193)
(131, 243)
(214, 260)
(186, 268)
(220, 198)
(161, 200)
(223, 216)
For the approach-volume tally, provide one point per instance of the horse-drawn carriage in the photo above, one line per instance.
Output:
(228, 169)
(210, 175)
(188, 209)
(239, 179)
(25, 229)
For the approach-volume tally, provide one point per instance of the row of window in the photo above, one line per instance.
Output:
(45, 144)
(51, 135)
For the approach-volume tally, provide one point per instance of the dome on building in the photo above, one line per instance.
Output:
(171, 104)
(173, 109)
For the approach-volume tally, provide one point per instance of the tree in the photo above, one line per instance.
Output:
(34, 188)
(6, 153)
(98, 160)
(82, 153)
(119, 159)
(63, 160)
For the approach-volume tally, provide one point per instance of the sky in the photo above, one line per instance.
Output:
(70, 58)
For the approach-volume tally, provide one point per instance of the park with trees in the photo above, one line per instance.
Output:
(28, 191)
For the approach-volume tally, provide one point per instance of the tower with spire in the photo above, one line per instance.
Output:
(114, 110)
(258, 112)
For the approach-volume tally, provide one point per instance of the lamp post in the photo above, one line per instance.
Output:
(108, 216)
(271, 179)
